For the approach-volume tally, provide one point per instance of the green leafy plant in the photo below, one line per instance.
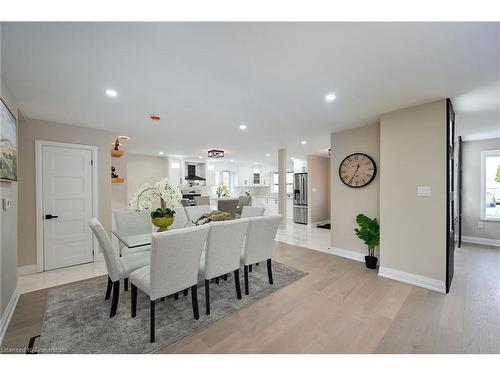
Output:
(497, 177)
(368, 232)
(167, 212)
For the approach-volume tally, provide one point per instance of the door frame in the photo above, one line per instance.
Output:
(40, 264)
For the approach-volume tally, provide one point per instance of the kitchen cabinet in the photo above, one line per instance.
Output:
(270, 204)
(244, 176)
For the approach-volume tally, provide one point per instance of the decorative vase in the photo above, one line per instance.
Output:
(162, 223)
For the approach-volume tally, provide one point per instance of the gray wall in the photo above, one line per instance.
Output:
(31, 130)
(8, 224)
(318, 188)
(413, 153)
(471, 192)
(346, 202)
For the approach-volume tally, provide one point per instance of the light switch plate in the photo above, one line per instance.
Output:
(423, 191)
(5, 204)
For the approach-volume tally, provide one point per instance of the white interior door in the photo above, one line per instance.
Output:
(67, 206)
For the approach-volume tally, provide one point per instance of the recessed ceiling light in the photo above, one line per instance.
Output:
(231, 160)
(256, 163)
(330, 97)
(200, 157)
(303, 142)
(160, 153)
(243, 126)
(268, 154)
(292, 158)
(111, 92)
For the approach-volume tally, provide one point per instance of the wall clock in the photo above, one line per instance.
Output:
(357, 170)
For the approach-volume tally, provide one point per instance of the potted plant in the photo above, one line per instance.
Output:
(368, 232)
(146, 195)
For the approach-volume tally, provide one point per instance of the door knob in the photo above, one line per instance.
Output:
(50, 216)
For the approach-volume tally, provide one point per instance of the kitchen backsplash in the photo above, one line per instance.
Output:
(256, 191)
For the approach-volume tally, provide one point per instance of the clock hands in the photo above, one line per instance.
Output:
(354, 174)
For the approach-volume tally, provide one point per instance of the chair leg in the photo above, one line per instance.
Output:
(245, 271)
(152, 321)
(225, 277)
(108, 289)
(114, 301)
(250, 268)
(133, 300)
(176, 296)
(194, 300)
(237, 283)
(125, 285)
(186, 292)
(269, 271)
(207, 297)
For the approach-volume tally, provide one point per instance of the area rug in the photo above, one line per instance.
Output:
(77, 316)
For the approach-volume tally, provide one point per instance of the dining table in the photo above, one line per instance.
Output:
(138, 240)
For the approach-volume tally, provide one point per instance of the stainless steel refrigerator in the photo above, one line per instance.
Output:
(300, 198)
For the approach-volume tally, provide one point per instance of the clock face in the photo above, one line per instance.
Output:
(357, 170)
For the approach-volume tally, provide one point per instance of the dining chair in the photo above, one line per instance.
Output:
(252, 211)
(259, 243)
(222, 254)
(202, 201)
(131, 222)
(119, 268)
(175, 259)
(180, 220)
(194, 213)
(229, 205)
(243, 201)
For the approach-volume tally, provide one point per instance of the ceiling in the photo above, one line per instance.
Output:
(205, 79)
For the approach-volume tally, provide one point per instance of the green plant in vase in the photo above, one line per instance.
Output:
(368, 232)
(222, 191)
(147, 195)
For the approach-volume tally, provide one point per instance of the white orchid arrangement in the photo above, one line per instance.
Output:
(223, 191)
(146, 194)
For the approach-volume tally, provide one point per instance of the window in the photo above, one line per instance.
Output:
(289, 183)
(490, 185)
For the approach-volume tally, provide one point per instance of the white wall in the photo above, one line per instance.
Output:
(346, 202)
(412, 153)
(471, 190)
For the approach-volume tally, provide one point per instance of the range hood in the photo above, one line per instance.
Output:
(191, 169)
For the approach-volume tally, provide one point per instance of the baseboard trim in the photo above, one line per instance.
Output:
(481, 241)
(349, 254)
(27, 270)
(413, 279)
(7, 314)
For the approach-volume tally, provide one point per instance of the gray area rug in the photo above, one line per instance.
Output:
(77, 316)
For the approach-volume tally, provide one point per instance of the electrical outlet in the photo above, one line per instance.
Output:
(423, 191)
(480, 225)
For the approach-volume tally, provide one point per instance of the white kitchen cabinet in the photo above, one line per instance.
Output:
(289, 208)
(244, 176)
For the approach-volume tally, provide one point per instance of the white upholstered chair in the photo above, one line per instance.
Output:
(259, 244)
(222, 253)
(180, 218)
(175, 259)
(193, 213)
(119, 268)
(252, 211)
(130, 223)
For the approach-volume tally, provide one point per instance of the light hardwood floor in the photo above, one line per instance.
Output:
(341, 307)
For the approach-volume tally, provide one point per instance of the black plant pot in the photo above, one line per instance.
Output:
(371, 262)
